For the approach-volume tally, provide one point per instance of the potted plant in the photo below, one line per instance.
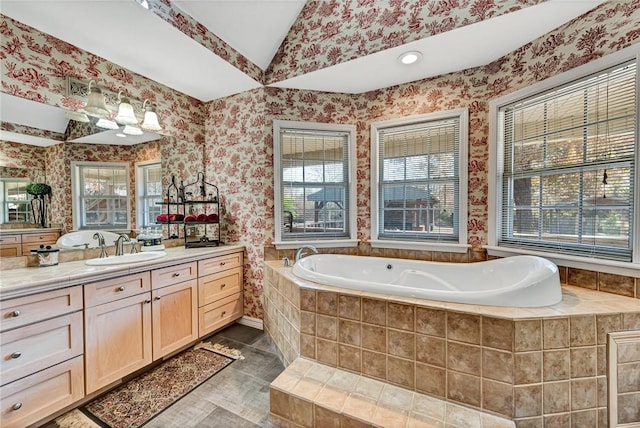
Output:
(38, 203)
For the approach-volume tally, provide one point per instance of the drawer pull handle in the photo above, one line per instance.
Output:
(223, 313)
(147, 301)
(157, 297)
(15, 314)
(223, 263)
(176, 274)
(223, 285)
(121, 288)
(16, 355)
(17, 406)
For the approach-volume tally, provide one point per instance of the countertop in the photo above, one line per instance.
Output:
(28, 230)
(32, 280)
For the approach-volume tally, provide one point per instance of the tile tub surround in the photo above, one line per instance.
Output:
(534, 365)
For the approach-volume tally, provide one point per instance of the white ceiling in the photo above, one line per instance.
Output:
(125, 33)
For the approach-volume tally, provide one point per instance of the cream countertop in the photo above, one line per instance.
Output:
(28, 230)
(25, 281)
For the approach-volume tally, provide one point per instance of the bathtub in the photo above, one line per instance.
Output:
(519, 281)
(82, 239)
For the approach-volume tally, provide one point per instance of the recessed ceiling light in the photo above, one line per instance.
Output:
(410, 57)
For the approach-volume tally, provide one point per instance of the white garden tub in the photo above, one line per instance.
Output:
(82, 239)
(519, 281)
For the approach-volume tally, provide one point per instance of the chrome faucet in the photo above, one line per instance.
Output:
(301, 251)
(101, 244)
(120, 243)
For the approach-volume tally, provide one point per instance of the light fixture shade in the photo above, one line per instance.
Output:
(150, 122)
(132, 130)
(106, 124)
(95, 103)
(77, 116)
(126, 115)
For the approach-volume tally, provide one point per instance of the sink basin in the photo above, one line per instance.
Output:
(127, 258)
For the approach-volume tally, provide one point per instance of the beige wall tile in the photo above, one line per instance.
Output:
(417, 420)
(374, 364)
(606, 324)
(401, 371)
(557, 398)
(430, 406)
(497, 333)
(430, 350)
(349, 332)
(602, 391)
(279, 403)
(527, 367)
(555, 333)
(584, 393)
(631, 321)
(528, 335)
(460, 257)
(559, 420)
(308, 322)
(327, 351)
(327, 303)
(431, 380)
(463, 388)
(463, 327)
(389, 416)
(349, 422)
(349, 357)
(628, 408)
(331, 398)
(374, 338)
(307, 388)
(400, 316)
(349, 307)
(497, 397)
(497, 365)
(556, 365)
(583, 362)
(535, 422)
(326, 418)
(582, 330)
(628, 352)
(327, 327)
(369, 387)
(617, 284)
(401, 343)
(527, 401)
(464, 358)
(585, 418)
(583, 278)
(431, 321)
(308, 299)
(441, 256)
(308, 346)
(374, 311)
(359, 406)
(629, 377)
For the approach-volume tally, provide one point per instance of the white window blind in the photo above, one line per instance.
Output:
(314, 171)
(16, 203)
(103, 196)
(569, 159)
(419, 181)
(150, 192)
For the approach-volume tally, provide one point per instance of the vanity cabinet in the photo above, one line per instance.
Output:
(220, 298)
(31, 241)
(10, 245)
(20, 244)
(42, 355)
(117, 319)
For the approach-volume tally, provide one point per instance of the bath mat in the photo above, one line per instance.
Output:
(137, 401)
(219, 348)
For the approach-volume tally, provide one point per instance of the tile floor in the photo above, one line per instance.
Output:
(237, 396)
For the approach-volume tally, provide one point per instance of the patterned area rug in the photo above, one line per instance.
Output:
(137, 401)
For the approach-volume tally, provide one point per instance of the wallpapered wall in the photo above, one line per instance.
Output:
(236, 144)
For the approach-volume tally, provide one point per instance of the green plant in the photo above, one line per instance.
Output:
(38, 189)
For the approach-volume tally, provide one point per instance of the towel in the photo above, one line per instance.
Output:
(162, 218)
(190, 218)
(212, 218)
(202, 217)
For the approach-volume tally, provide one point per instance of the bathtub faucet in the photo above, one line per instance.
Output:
(301, 251)
(101, 244)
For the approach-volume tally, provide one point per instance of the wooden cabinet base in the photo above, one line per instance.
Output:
(30, 399)
(216, 315)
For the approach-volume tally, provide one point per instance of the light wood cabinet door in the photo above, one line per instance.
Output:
(175, 317)
(28, 400)
(117, 339)
(218, 314)
(10, 246)
(28, 349)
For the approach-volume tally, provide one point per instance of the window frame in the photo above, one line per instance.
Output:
(76, 182)
(4, 209)
(141, 194)
(329, 241)
(411, 243)
(496, 168)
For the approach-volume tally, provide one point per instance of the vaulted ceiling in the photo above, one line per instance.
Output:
(212, 49)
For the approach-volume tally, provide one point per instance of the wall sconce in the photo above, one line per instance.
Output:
(126, 115)
(150, 122)
(106, 124)
(96, 105)
(132, 130)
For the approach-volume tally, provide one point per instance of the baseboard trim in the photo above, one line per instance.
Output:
(251, 322)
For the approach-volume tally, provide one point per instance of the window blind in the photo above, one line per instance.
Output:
(419, 189)
(315, 184)
(569, 164)
(103, 196)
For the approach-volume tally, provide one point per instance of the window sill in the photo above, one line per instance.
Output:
(337, 243)
(424, 246)
(592, 264)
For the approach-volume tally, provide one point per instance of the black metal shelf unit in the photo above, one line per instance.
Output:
(201, 213)
(173, 210)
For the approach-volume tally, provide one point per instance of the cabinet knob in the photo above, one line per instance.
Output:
(223, 285)
(15, 314)
(17, 406)
(121, 288)
(223, 313)
(223, 263)
(16, 354)
(147, 301)
(176, 274)
(157, 297)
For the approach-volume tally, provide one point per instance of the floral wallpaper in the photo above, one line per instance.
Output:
(14, 155)
(330, 32)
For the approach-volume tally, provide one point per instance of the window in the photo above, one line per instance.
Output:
(314, 184)
(418, 187)
(567, 166)
(16, 205)
(149, 177)
(101, 199)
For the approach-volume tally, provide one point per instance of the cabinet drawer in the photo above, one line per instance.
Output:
(9, 239)
(29, 349)
(218, 264)
(218, 314)
(173, 274)
(39, 238)
(39, 307)
(10, 250)
(37, 396)
(114, 289)
(218, 285)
